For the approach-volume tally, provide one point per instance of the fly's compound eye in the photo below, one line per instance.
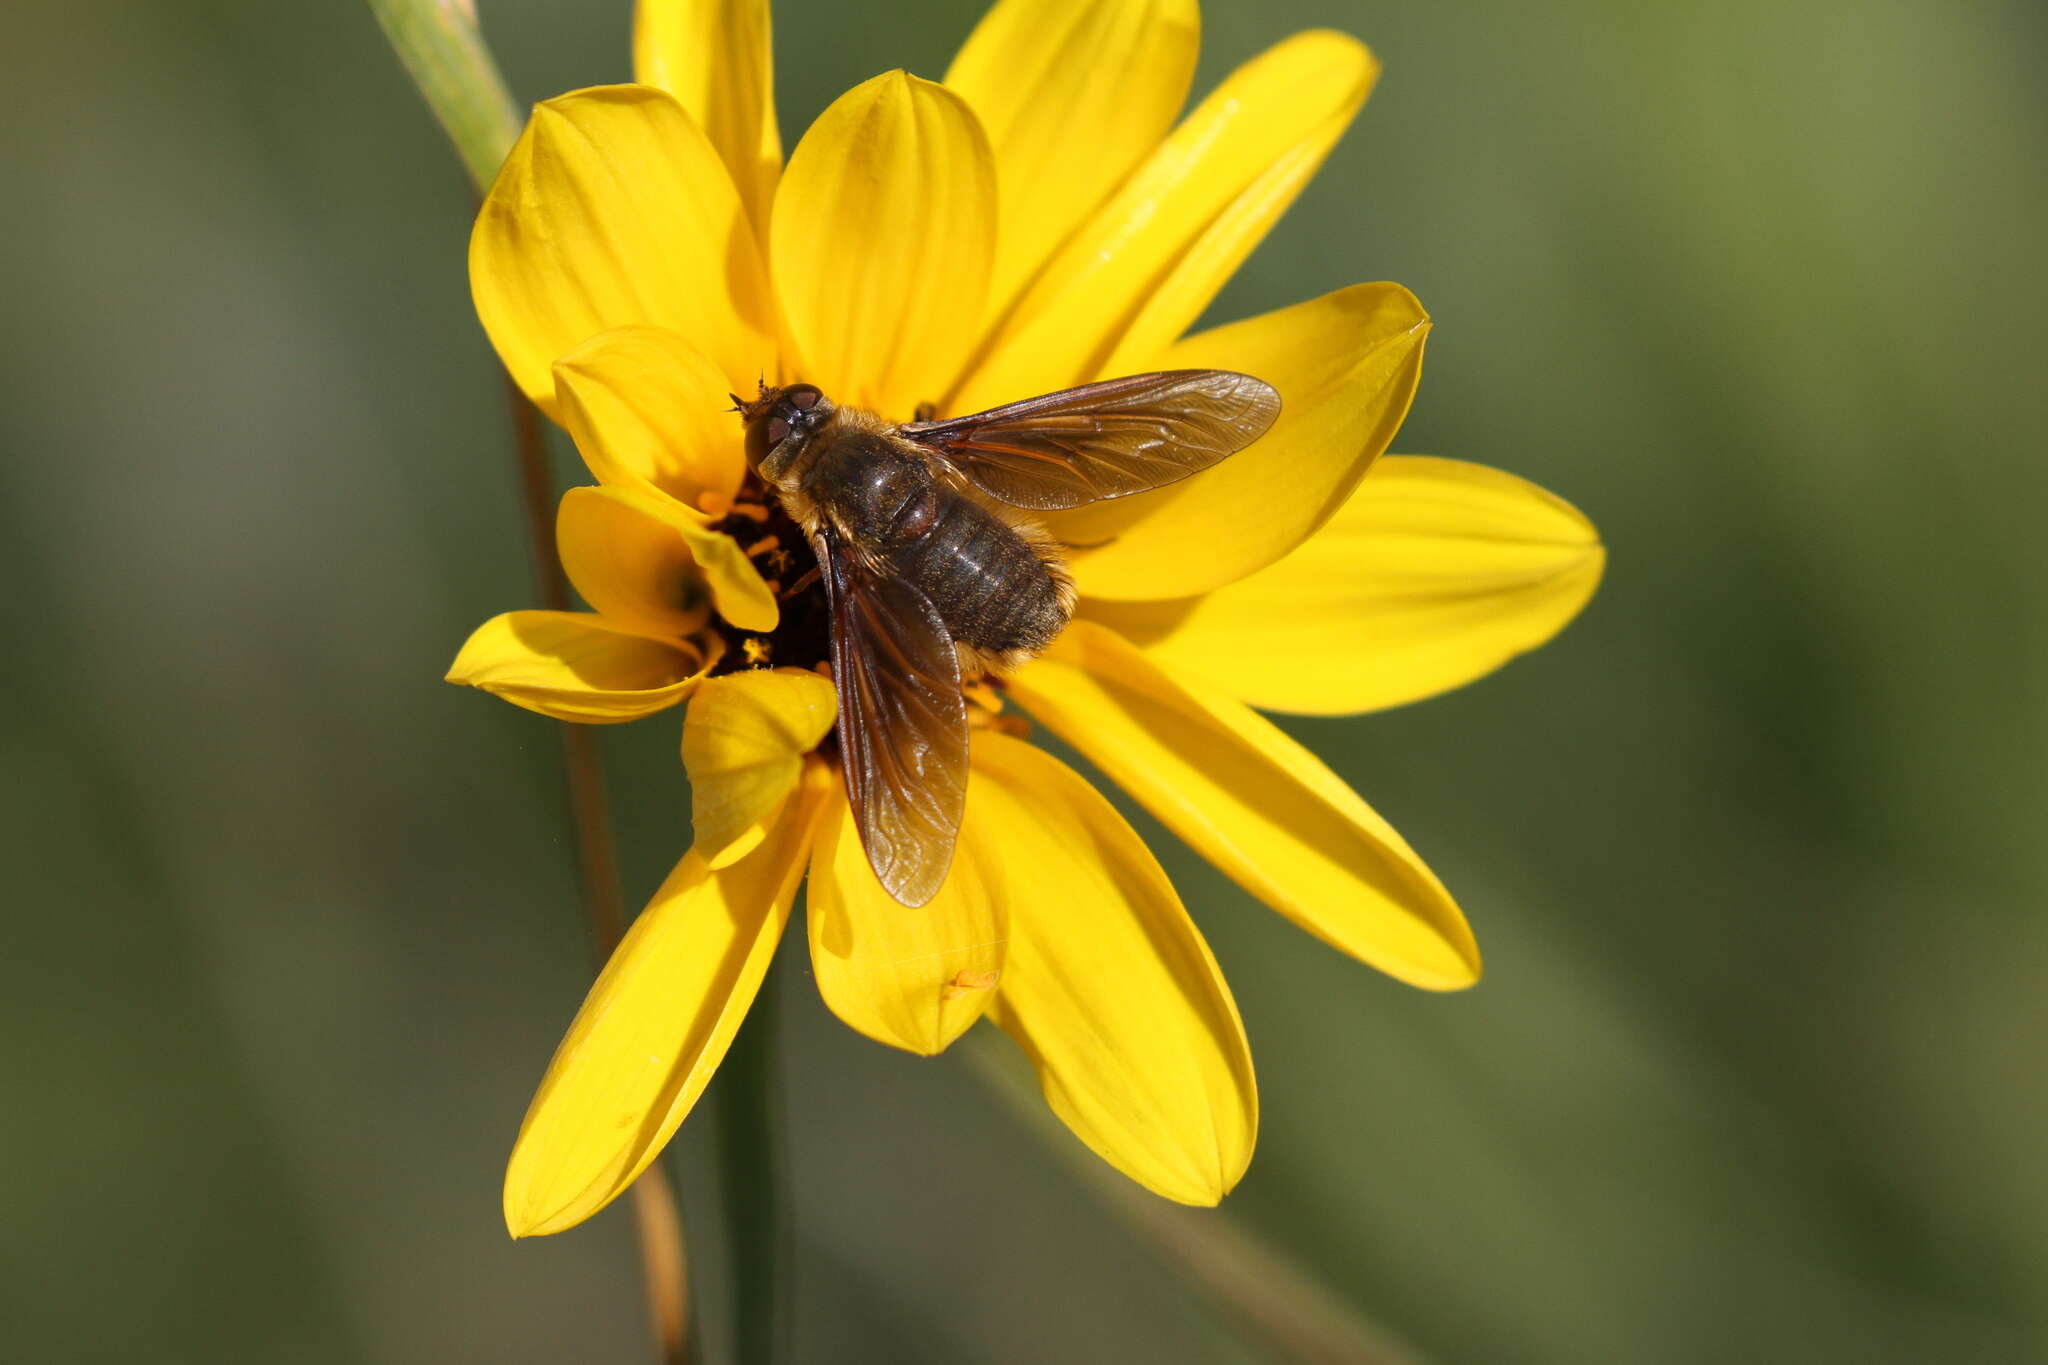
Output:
(782, 420)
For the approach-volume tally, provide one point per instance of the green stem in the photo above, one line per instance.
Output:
(445, 54)
(750, 1178)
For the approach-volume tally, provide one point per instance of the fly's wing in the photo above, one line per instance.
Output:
(1103, 440)
(902, 721)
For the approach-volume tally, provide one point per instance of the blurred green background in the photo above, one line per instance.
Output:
(1754, 849)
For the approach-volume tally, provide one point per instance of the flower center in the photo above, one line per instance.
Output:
(780, 551)
(778, 548)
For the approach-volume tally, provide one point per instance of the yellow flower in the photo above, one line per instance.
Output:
(644, 251)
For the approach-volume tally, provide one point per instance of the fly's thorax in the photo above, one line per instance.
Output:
(869, 483)
(994, 577)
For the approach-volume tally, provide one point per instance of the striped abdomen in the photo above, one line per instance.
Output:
(990, 586)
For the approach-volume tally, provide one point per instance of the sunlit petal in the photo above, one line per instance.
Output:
(1346, 366)
(1108, 987)
(744, 740)
(647, 561)
(1073, 95)
(629, 563)
(573, 666)
(1435, 573)
(883, 236)
(653, 1029)
(1251, 800)
(614, 210)
(714, 56)
(1144, 266)
(647, 410)
(915, 979)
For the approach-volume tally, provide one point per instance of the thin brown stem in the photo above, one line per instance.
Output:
(537, 498)
(662, 1257)
(596, 851)
(663, 1264)
(440, 45)
(597, 859)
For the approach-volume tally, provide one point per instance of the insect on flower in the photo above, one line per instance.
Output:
(869, 590)
(923, 577)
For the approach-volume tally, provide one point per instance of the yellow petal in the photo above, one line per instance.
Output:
(612, 210)
(647, 410)
(629, 563)
(715, 57)
(1072, 96)
(1144, 266)
(744, 740)
(648, 562)
(914, 979)
(1346, 366)
(1251, 800)
(883, 235)
(1108, 987)
(652, 1030)
(1436, 572)
(573, 666)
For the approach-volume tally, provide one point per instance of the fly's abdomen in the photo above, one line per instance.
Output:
(992, 590)
(990, 587)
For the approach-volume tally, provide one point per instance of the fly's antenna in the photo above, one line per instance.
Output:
(749, 411)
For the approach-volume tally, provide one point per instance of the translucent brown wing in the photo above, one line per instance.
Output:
(902, 721)
(1103, 440)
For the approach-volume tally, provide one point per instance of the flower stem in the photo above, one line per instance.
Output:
(664, 1262)
(444, 52)
(589, 809)
(750, 1171)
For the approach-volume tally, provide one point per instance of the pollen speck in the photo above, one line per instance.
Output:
(967, 983)
(1003, 723)
(756, 650)
(983, 695)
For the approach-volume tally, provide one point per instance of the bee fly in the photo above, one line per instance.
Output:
(930, 559)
